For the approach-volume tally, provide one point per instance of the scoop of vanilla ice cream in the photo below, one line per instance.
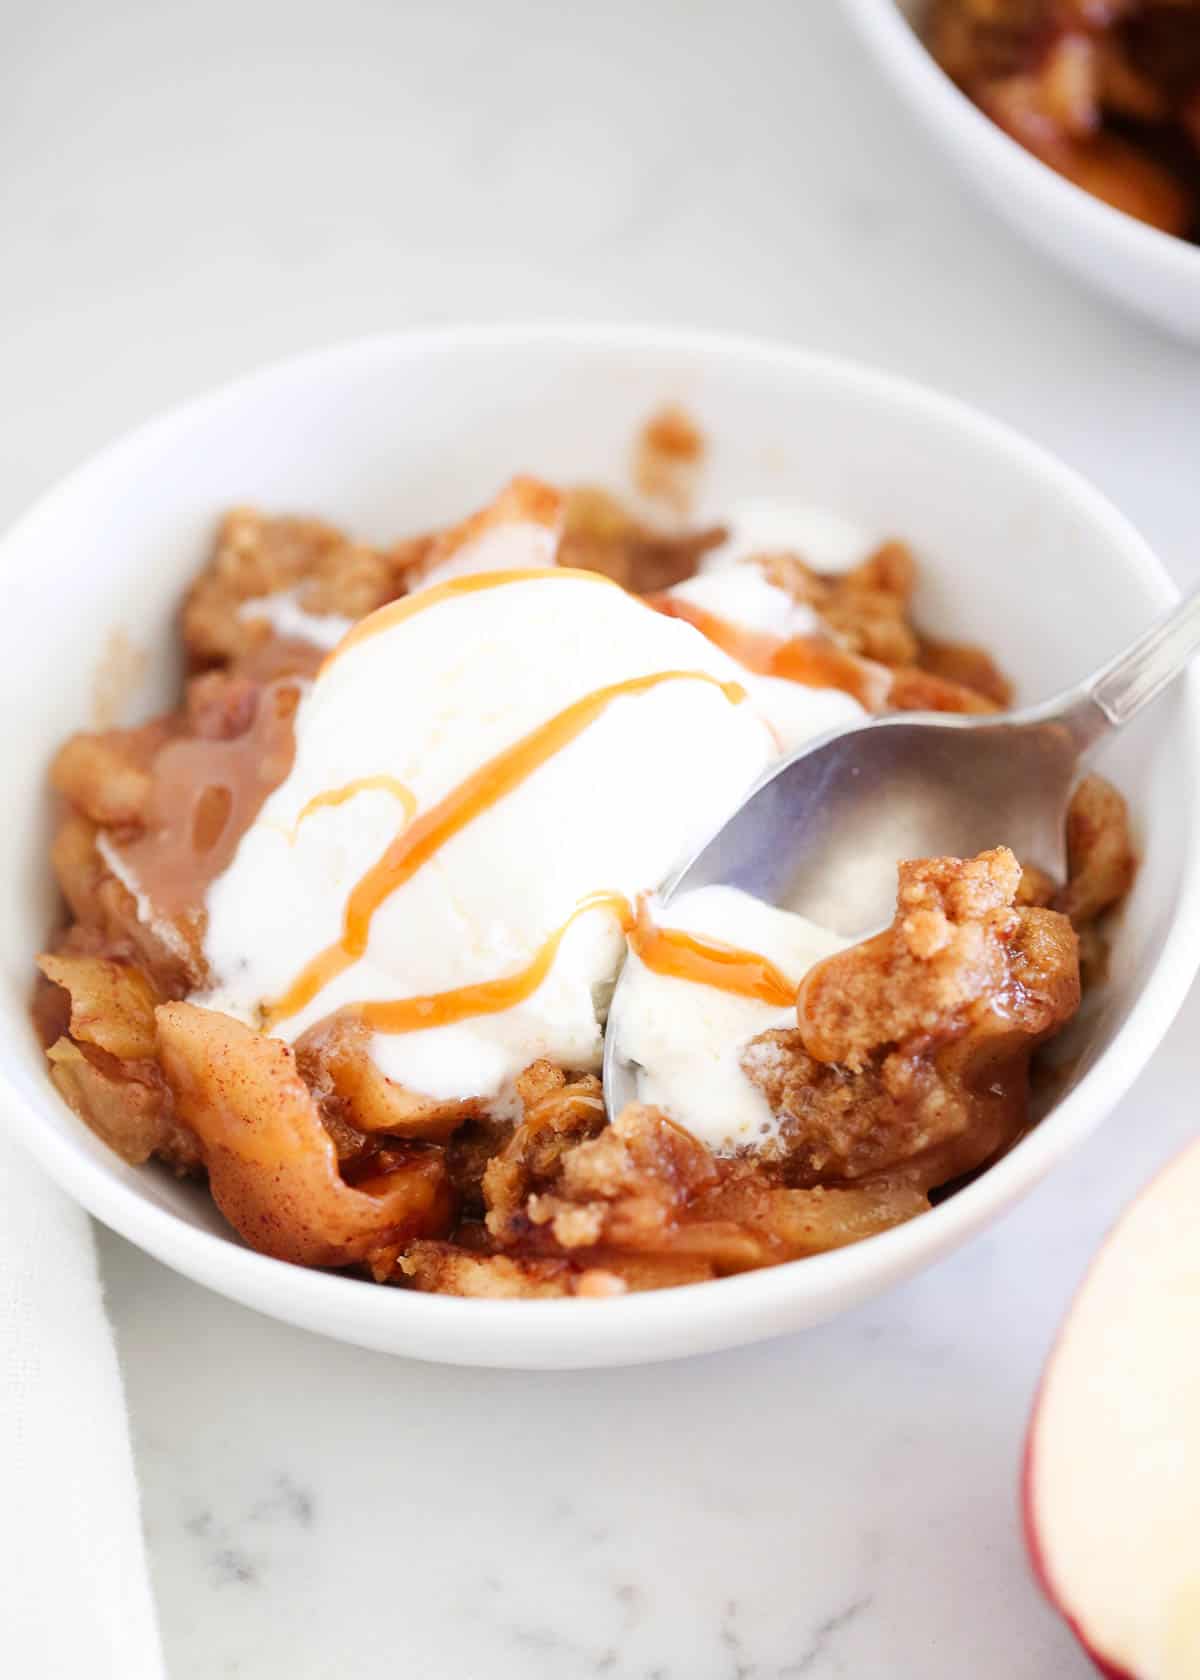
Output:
(425, 701)
(685, 1039)
(400, 718)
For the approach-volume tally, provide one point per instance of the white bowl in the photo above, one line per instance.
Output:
(1153, 273)
(396, 433)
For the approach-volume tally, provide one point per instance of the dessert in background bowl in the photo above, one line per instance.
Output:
(1078, 123)
(383, 437)
(1108, 96)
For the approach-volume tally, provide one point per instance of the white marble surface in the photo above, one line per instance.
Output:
(190, 191)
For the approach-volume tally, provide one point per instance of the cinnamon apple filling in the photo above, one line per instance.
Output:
(341, 929)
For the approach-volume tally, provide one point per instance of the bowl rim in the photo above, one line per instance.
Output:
(945, 108)
(724, 1312)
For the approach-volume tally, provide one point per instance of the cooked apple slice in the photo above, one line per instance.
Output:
(1112, 1463)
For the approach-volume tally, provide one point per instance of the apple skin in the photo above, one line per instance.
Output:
(1157, 1229)
(1037, 1559)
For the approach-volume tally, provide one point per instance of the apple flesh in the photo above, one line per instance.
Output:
(1112, 1461)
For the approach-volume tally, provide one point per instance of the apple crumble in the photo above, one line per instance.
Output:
(1107, 92)
(341, 929)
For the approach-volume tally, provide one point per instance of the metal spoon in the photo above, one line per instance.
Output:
(821, 832)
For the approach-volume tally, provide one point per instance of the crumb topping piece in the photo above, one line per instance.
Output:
(911, 1050)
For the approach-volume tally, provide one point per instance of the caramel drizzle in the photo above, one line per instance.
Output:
(812, 660)
(424, 837)
(709, 962)
(489, 997)
(206, 793)
(395, 612)
(348, 790)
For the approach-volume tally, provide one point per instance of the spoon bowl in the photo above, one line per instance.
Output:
(821, 833)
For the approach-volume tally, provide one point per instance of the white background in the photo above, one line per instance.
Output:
(187, 191)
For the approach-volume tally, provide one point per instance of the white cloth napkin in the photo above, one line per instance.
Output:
(75, 1599)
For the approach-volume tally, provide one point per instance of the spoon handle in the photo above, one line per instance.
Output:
(1136, 676)
(1119, 690)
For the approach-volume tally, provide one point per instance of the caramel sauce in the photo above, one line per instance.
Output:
(707, 962)
(206, 795)
(313, 978)
(812, 660)
(482, 789)
(395, 612)
(361, 784)
(488, 997)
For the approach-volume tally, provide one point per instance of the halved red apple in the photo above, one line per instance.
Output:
(1112, 1462)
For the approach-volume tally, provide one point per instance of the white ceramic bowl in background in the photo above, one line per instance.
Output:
(391, 435)
(1152, 273)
